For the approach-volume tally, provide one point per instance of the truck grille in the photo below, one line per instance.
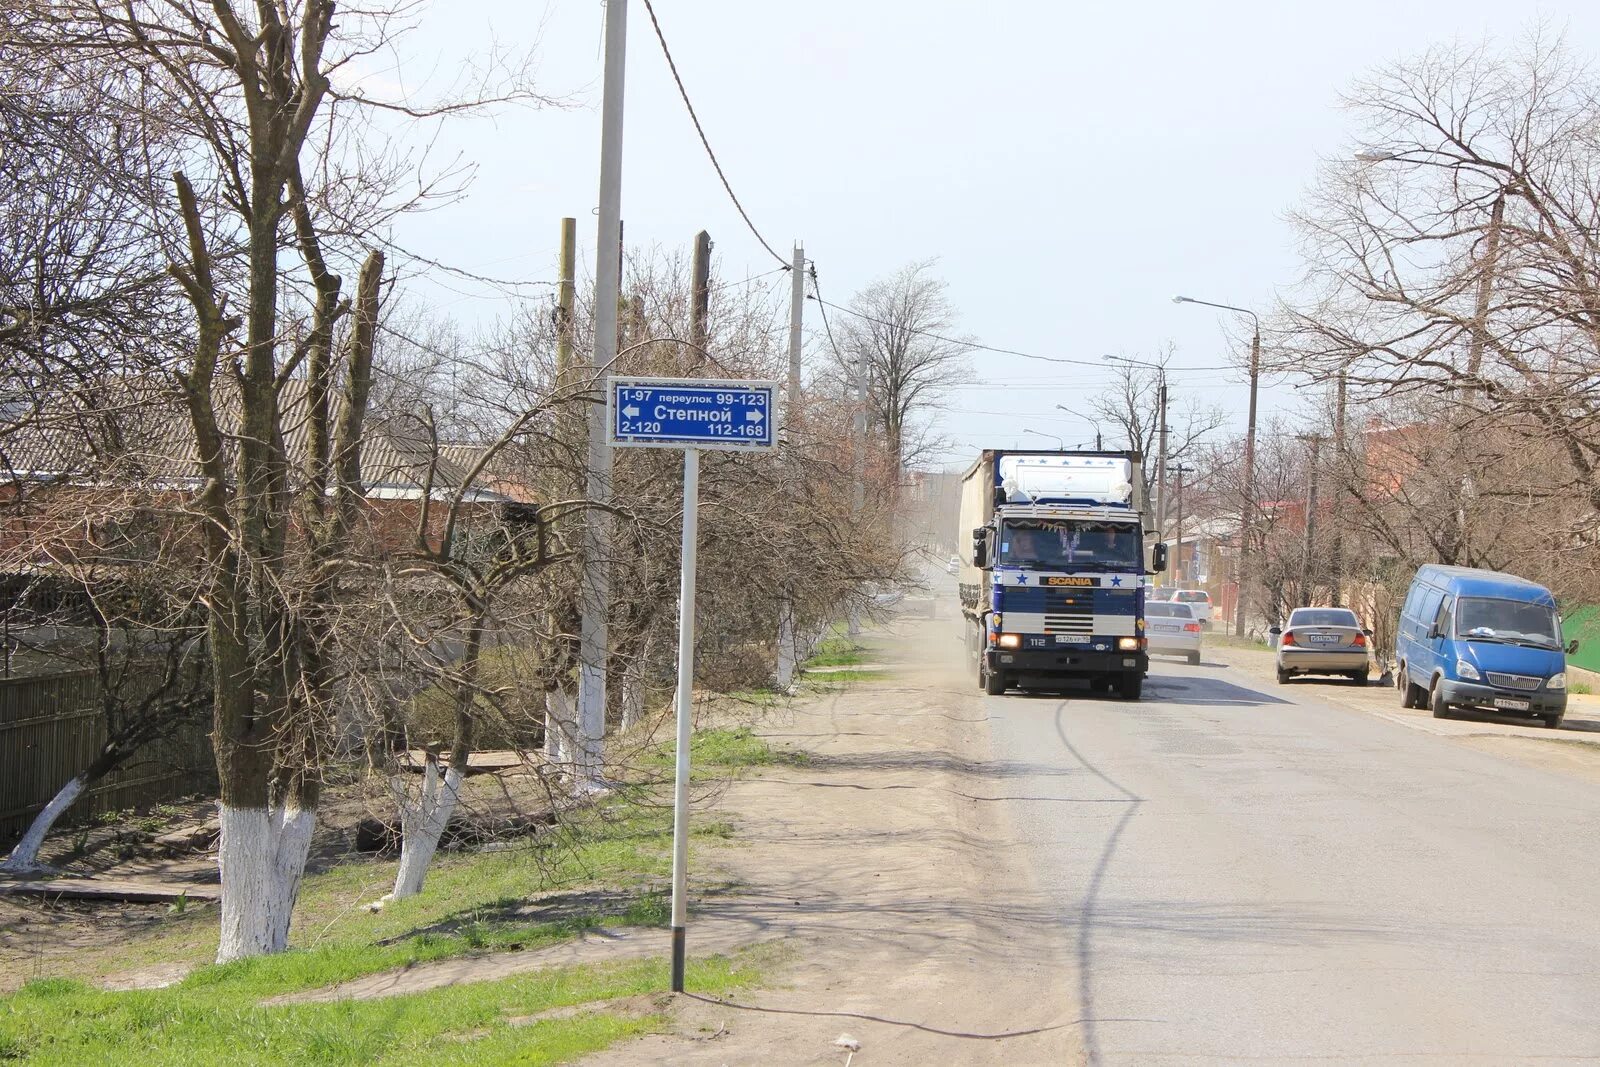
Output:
(1513, 681)
(1071, 615)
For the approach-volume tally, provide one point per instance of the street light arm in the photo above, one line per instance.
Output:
(1225, 307)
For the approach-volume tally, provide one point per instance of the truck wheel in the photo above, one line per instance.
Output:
(1131, 686)
(1441, 710)
(994, 683)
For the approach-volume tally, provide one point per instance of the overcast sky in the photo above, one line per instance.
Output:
(1073, 166)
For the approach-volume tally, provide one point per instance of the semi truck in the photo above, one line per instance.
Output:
(1053, 589)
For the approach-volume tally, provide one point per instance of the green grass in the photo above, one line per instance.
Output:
(818, 681)
(216, 1017)
(719, 748)
(1581, 689)
(472, 902)
(837, 651)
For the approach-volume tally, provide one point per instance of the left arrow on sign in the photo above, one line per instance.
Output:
(631, 411)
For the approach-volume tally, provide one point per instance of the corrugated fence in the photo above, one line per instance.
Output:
(50, 729)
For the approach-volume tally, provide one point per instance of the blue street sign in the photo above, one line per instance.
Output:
(691, 413)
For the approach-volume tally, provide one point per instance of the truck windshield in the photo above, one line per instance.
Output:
(1056, 545)
(1513, 621)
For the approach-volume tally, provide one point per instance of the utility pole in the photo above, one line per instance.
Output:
(700, 299)
(788, 639)
(1161, 458)
(594, 638)
(1315, 440)
(1179, 572)
(1341, 471)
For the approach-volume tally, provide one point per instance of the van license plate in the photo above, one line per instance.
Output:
(1511, 705)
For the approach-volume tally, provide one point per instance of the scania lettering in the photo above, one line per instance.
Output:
(1054, 588)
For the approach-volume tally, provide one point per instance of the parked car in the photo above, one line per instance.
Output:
(1172, 630)
(1158, 592)
(953, 565)
(1199, 602)
(1481, 639)
(1322, 641)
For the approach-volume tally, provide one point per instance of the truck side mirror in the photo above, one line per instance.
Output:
(1158, 557)
(980, 547)
(1572, 646)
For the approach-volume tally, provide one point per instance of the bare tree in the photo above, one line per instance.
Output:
(903, 329)
(1132, 407)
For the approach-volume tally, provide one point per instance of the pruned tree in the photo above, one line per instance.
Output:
(1131, 409)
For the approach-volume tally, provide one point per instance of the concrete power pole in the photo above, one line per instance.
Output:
(1311, 520)
(700, 294)
(594, 638)
(1161, 459)
(1341, 471)
(788, 639)
(1178, 572)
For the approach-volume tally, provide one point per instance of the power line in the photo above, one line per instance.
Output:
(822, 306)
(991, 348)
(649, 9)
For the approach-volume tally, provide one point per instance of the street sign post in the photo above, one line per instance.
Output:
(661, 412)
(691, 414)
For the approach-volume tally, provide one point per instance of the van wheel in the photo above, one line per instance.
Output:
(1441, 710)
(1411, 696)
(1553, 722)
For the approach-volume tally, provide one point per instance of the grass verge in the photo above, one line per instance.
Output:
(838, 650)
(216, 1017)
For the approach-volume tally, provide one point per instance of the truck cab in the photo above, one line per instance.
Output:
(1059, 568)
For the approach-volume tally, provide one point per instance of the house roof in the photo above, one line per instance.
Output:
(136, 428)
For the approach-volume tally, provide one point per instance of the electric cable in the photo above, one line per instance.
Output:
(684, 93)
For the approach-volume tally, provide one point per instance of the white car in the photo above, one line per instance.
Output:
(1199, 602)
(1172, 630)
(954, 565)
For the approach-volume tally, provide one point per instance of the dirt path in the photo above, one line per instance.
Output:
(884, 865)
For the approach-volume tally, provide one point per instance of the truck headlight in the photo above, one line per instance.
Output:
(1557, 680)
(1466, 671)
(1010, 641)
(1127, 644)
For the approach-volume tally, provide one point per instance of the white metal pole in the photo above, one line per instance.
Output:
(594, 638)
(680, 791)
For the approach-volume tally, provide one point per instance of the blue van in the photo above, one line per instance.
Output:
(1480, 639)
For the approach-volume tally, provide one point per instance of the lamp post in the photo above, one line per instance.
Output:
(1098, 447)
(1061, 442)
(1247, 519)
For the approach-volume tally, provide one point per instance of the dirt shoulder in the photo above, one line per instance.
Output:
(1573, 749)
(880, 859)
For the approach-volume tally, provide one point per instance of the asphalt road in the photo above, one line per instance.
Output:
(1245, 872)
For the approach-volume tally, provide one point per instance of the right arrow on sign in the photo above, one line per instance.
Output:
(753, 416)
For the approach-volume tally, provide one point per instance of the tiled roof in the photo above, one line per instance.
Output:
(128, 429)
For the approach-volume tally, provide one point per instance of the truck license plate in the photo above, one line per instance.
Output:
(1511, 705)
(1071, 639)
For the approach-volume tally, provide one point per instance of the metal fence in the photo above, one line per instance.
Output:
(50, 729)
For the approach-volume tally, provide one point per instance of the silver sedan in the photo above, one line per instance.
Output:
(1322, 641)
(1172, 630)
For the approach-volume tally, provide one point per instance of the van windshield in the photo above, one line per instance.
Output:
(1512, 621)
(1059, 545)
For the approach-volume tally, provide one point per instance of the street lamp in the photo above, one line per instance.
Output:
(1098, 447)
(1060, 442)
(1247, 525)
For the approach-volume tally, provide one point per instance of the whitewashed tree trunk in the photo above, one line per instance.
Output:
(262, 854)
(784, 676)
(25, 857)
(559, 717)
(422, 823)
